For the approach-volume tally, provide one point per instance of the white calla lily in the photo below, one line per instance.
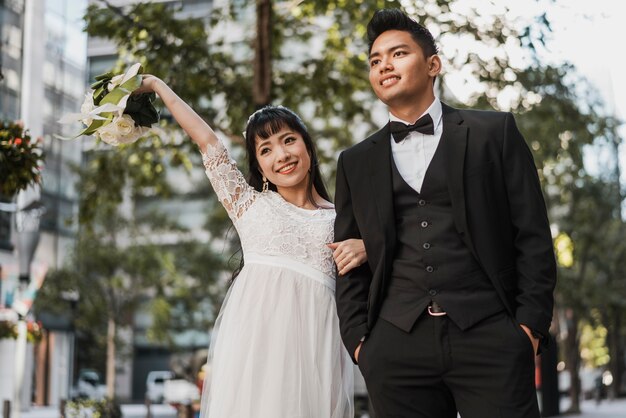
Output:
(107, 121)
(115, 81)
(131, 72)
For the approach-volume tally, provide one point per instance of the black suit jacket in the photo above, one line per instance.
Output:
(498, 211)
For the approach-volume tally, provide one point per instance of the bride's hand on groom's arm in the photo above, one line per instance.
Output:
(348, 254)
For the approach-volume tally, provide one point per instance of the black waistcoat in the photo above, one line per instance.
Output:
(431, 262)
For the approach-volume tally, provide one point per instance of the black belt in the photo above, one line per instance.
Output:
(434, 309)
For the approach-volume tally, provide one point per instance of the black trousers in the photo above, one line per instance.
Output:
(437, 369)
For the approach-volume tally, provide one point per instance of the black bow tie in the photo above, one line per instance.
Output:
(423, 125)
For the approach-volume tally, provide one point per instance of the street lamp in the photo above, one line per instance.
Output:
(6, 208)
(29, 211)
(72, 297)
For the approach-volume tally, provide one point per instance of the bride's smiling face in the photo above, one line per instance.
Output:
(284, 159)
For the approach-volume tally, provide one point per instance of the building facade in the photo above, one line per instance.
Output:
(43, 64)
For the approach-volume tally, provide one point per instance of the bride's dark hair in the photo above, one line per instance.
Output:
(264, 123)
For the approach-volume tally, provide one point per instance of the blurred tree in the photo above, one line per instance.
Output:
(312, 56)
(579, 289)
(120, 265)
(565, 124)
(613, 306)
(561, 118)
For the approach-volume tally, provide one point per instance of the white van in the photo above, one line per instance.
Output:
(155, 384)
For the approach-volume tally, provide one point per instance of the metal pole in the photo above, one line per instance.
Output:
(20, 363)
(148, 412)
(27, 227)
(6, 411)
(62, 408)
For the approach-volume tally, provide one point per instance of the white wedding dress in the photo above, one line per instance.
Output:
(275, 350)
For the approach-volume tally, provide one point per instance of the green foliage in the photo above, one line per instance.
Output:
(21, 159)
(119, 266)
(564, 122)
(594, 351)
(189, 299)
(176, 50)
(140, 165)
(326, 83)
(106, 408)
(8, 330)
(89, 319)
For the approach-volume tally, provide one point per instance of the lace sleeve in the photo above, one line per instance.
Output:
(235, 194)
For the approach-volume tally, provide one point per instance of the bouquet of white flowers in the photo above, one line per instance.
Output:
(112, 113)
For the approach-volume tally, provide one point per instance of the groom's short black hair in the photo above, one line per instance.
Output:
(395, 19)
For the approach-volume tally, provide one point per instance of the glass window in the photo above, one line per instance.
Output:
(12, 79)
(56, 7)
(9, 104)
(11, 58)
(100, 65)
(48, 219)
(76, 46)
(75, 12)
(13, 42)
(5, 226)
(49, 73)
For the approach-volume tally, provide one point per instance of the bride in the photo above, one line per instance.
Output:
(275, 350)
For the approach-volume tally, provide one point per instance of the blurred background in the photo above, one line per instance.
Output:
(114, 261)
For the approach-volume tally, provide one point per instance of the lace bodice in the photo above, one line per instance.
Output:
(266, 223)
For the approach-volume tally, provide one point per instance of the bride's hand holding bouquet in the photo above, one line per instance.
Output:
(193, 125)
(148, 84)
(116, 110)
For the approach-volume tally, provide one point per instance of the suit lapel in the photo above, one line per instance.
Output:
(454, 139)
(379, 160)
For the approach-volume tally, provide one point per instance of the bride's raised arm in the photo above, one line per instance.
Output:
(228, 182)
(197, 129)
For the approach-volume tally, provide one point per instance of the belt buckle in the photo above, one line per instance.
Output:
(432, 313)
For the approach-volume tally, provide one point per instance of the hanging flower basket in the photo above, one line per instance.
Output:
(21, 158)
(34, 331)
(8, 330)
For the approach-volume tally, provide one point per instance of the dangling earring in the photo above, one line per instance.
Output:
(266, 185)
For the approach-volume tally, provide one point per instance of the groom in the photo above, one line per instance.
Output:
(457, 294)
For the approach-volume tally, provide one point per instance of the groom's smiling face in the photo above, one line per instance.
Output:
(399, 71)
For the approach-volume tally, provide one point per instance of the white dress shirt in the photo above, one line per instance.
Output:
(414, 153)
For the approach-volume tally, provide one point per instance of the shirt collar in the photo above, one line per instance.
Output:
(435, 110)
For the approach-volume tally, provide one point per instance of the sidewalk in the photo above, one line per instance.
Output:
(128, 411)
(606, 409)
